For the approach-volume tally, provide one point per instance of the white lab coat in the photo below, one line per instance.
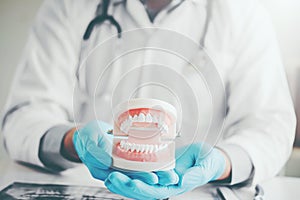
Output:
(260, 118)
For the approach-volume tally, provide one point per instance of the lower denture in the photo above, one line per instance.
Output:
(134, 155)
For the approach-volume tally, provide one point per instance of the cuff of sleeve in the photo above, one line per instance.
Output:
(50, 147)
(242, 170)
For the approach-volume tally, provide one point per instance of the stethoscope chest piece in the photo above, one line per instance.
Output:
(99, 19)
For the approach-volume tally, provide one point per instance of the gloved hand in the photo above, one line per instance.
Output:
(196, 165)
(94, 146)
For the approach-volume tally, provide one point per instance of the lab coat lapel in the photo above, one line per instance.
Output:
(138, 12)
(188, 21)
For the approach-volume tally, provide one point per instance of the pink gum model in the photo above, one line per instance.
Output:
(144, 133)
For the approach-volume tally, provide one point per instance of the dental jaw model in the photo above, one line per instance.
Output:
(144, 133)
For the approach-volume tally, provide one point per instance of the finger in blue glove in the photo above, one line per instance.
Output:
(136, 189)
(196, 164)
(169, 177)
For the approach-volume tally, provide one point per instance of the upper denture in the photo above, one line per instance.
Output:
(142, 119)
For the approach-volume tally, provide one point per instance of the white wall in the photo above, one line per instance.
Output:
(15, 19)
(286, 19)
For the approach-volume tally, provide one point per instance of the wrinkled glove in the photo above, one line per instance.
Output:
(196, 165)
(94, 146)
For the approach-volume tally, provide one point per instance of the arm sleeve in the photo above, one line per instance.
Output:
(50, 149)
(242, 170)
(260, 121)
(41, 95)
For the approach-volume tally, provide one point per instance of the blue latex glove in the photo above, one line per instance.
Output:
(94, 146)
(196, 165)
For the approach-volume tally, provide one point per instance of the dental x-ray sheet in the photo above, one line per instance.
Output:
(50, 191)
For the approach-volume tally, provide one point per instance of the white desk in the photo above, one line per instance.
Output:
(277, 188)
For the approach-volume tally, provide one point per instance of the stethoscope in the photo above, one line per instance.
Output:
(99, 19)
(104, 16)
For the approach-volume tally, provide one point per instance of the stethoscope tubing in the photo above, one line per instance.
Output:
(102, 16)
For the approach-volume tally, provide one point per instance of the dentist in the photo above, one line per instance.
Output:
(38, 124)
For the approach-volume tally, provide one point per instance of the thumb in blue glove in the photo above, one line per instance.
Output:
(199, 164)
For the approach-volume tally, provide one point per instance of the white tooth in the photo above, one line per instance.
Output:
(122, 143)
(130, 146)
(138, 148)
(142, 117)
(151, 148)
(146, 148)
(135, 118)
(142, 148)
(130, 117)
(133, 147)
(156, 148)
(127, 146)
(148, 118)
